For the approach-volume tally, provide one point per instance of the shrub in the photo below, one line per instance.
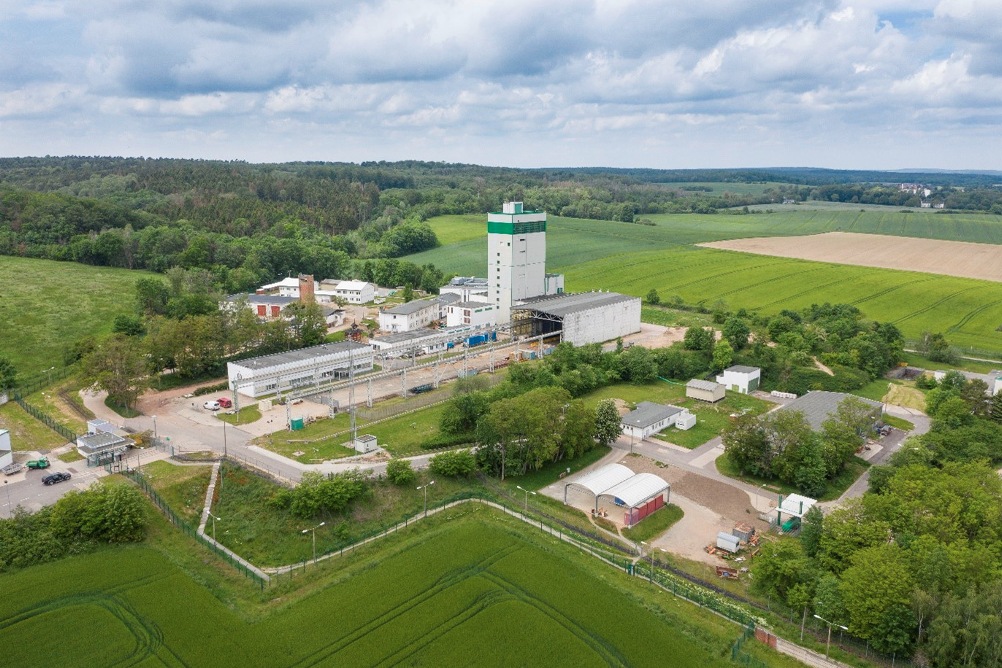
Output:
(457, 464)
(210, 389)
(399, 472)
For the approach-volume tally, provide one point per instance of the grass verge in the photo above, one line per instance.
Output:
(898, 423)
(70, 456)
(246, 415)
(654, 525)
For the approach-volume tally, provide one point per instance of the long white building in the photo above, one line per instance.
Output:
(282, 372)
(410, 315)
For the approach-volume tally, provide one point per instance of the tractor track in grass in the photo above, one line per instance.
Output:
(881, 293)
(447, 581)
(932, 306)
(967, 318)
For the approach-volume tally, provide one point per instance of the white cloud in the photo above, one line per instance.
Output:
(562, 80)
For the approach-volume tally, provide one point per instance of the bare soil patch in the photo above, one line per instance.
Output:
(934, 256)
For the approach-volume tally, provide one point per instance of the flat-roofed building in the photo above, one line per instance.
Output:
(283, 372)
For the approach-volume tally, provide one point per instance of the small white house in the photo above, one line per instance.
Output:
(412, 315)
(743, 379)
(287, 287)
(476, 314)
(650, 418)
(6, 450)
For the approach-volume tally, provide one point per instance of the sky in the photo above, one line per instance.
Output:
(858, 84)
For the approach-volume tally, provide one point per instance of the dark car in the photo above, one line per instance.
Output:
(55, 477)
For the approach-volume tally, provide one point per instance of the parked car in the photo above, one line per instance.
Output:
(55, 477)
(40, 463)
(211, 405)
(224, 402)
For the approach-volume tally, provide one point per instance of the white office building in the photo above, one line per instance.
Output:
(409, 316)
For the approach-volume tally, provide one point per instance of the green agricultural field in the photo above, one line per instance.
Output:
(45, 306)
(718, 188)
(474, 591)
(454, 228)
(968, 311)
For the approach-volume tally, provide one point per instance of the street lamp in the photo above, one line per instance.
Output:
(214, 518)
(527, 493)
(314, 530)
(48, 372)
(8, 497)
(830, 625)
(425, 488)
(224, 439)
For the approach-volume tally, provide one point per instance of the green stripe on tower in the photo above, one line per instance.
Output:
(515, 228)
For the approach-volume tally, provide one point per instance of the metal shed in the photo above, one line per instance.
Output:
(705, 390)
(726, 541)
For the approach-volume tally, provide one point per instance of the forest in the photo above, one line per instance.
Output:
(253, 223)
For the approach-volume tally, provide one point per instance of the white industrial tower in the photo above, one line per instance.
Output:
(516, 258)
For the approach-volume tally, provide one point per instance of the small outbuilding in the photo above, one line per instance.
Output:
(743, 379)
(364, 443)
(640, 493)
(705, 390)
(102, 447)
(728, 542)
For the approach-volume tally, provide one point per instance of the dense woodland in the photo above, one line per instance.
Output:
(915, 566)
(250, 223)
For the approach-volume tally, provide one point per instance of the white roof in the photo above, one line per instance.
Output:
(602, 479)
(351, 285)
(796, 505)
(637, 489)
(284, 283)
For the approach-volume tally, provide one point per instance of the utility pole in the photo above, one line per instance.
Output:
(425, 488)
(314, 530)
(828, 648)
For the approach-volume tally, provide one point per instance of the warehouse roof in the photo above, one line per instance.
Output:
(648, 413)
(401, 337)
(473, 305)
(637, 489)
(350, 285)
(301, 355)
(562, 305)
(738, 368)
(700, 384)
(448, 298)
(411, 307)
(817, 406)
(289, 282)
(263, 299)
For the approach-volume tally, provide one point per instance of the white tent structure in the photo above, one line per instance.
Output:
(640, 493)
(636, 490)
(600, 480)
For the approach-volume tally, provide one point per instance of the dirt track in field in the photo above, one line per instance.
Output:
(950, 258)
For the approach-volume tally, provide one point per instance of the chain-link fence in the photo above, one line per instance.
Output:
(186, 528)
(44, 418)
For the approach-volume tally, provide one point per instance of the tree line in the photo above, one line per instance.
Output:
(914, 566)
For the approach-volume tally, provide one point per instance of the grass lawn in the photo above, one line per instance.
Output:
(183, 487)
(55, 304)
(27, 433)
(670, 317)
(710, 418)
(57, 400)
(550, 473)
(875, 389)
(71, 456)
(836, 486)
(246, 415)
(903, 395)
(124, 411)
(899, 423)
(654, 525)
(273, 536)
(400, 436)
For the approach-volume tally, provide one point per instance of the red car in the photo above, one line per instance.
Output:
(224, 402)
